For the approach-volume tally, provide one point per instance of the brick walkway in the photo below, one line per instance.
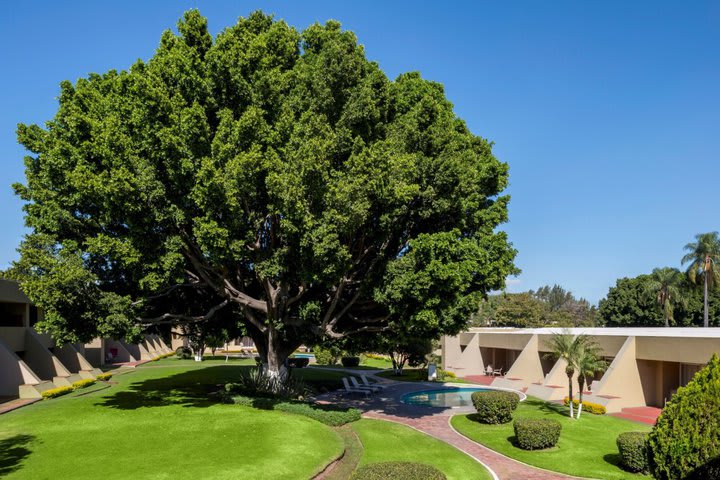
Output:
(436, 423)
(646, 415)
(438, 426)
(16, 403)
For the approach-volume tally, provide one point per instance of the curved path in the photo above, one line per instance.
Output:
(435, 422)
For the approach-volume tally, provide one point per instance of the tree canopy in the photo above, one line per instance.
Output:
(274, 176)
(548, 306)
(633, 302)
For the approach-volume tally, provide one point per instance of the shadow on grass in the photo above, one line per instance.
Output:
(13, 451)
(192, 388)
(197, 387)
(613, 459)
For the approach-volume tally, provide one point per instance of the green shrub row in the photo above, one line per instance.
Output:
(398, 471)
(165, 355)
(494, 406)
(104, 377)
(536, 433)
(633, 451)
(594, 408)
(56, 392)
(328, 414)
(83, 383)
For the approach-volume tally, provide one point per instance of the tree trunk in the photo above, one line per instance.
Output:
(570, 395)
(273, 350)
(581, 385)
(706, 318)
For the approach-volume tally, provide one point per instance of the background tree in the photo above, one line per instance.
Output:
(664, 285)
(627, 304)
(704, 259)
(275, 176)
(519, 310)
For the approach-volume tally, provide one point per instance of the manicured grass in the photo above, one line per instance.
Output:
(386, 442)
(158, 423)
(377, 363)
(586, 447)
(319, 381)
(415, 375)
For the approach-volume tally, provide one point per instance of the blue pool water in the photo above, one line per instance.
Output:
(304, 355)
(448, 397)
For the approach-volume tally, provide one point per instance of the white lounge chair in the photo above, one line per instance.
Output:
(497, 372)
(376, 386)
(349, 389)
(356, 384)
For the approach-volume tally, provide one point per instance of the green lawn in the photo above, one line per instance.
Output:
(377, 363)
(158, 423)
(385, 442)
(586, 447)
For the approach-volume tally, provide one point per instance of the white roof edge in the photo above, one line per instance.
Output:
(679, 332)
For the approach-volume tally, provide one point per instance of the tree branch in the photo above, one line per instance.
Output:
(174, 318)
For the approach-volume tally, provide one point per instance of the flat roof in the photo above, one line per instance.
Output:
(677, 332)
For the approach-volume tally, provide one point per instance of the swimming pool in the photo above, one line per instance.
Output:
(304, 355)
(447, 397)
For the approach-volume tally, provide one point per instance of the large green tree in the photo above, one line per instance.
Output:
(704, 263)
(276, 176)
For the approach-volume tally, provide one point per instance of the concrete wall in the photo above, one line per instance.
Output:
(14, 372)
(40, 359)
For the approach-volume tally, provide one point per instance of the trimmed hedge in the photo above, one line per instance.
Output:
(56, 392)
(633, 451)
(104, 377)
(183, 353)
(536, 433)
(350, 362)
(685, 442)
(494, 406)
(328, 414)
(398, 471)
(83, 383)
(594, 408)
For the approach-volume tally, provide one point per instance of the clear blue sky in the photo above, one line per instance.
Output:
(608, 113)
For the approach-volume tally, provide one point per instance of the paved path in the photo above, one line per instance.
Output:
(436, 423)
(16, 403)
(438, 426)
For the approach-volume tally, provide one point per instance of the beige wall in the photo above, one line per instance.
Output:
(683, 350)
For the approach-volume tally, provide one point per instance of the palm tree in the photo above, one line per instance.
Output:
(566, 346)
(589, 361)
(664, 285)
(704, 258)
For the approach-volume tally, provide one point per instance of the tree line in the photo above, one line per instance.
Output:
(668, 296)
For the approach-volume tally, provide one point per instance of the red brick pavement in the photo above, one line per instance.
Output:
(438, 426)
(16, 403)
(647, 415)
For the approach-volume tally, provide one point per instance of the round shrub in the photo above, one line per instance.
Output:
(494, 406)
(536, 433)
(350, 362)
(685, 442)
(183, 352)
(398, 471)
(633, 451)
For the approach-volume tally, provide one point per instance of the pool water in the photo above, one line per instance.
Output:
(304, 355)
(448, 397)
